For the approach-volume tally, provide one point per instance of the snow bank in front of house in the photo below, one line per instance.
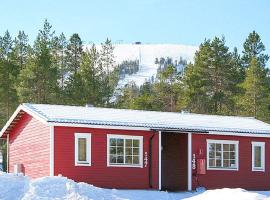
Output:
(229, 194)
(17, 187)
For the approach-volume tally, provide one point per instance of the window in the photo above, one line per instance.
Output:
(82, 149)
(258, 152)
(123, 150)
(222, 154)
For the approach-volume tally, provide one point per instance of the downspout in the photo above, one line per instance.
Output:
(7, 153)
(150, 161)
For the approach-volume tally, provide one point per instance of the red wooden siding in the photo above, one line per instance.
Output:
(98, 173)
(244, 177)
(30, 145)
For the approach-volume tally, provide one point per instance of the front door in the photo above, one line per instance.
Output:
(174, 161)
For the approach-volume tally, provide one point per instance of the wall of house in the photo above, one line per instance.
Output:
(98, 173)
(244, 177)
(29, 145)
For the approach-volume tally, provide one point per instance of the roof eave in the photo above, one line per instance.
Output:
(17, 111)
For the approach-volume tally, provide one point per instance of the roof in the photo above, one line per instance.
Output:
(78, 115)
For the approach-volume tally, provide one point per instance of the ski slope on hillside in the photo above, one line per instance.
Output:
(146, 54)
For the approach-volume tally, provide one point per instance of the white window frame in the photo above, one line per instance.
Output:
(140, 138)
(87, 136)
(235, 142)
(262, 145)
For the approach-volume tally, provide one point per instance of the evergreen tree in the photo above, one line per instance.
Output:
(74, 53)
(21, 49)
(255, 100)
(210, 82)
(38, 80)
(8, 77)
(254, 48)
(106, 66)
(91, 76)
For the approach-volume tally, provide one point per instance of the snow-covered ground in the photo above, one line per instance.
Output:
(146, 54)
(15, 187)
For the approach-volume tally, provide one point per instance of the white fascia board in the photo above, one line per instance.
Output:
(100, 126)
(23, 108)
(51, 150)
(236, 134)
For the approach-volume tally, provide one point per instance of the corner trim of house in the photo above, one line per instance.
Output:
(159, 160)
(51, 150)
(189, 161)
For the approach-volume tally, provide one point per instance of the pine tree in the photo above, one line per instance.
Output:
(106, 66)
(8, 77)
(254, 48)
(255, 100)
(38, 80)
(21, 49)
(74, 53)
(91, 76)
(210, 82)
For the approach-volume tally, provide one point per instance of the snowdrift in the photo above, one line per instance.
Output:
(15, 187)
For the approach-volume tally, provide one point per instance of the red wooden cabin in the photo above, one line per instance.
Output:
(117, 148)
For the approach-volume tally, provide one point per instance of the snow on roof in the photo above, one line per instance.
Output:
(147, 119)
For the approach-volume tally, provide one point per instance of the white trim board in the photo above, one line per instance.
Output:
(100, 126)
(159, 160)
(236, 134)
(189, 152)
(51, 150)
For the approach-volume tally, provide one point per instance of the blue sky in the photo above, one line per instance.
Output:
(150, 21)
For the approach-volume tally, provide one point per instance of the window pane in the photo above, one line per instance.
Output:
(232, 147)
(112, 159)
(212, 162)
(135, 151)
(232, 155)
(226, 155)
(258, 161)
(218, 163)
(120, 159)
(226, 147)
(120, 142)
(128, 151)
(112, 150)
(226, 163)
(136, 143)
(128, 143)
(218, 155)
(232, 163)
(212, 147)
(82, 149)
(112, 142)
(120, 150)
(136, 160)
(128, 159)
(218, 147)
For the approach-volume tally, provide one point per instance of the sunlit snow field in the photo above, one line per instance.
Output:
(146, 54)
(15, 187)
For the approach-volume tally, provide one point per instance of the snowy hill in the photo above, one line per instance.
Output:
(146, 54)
